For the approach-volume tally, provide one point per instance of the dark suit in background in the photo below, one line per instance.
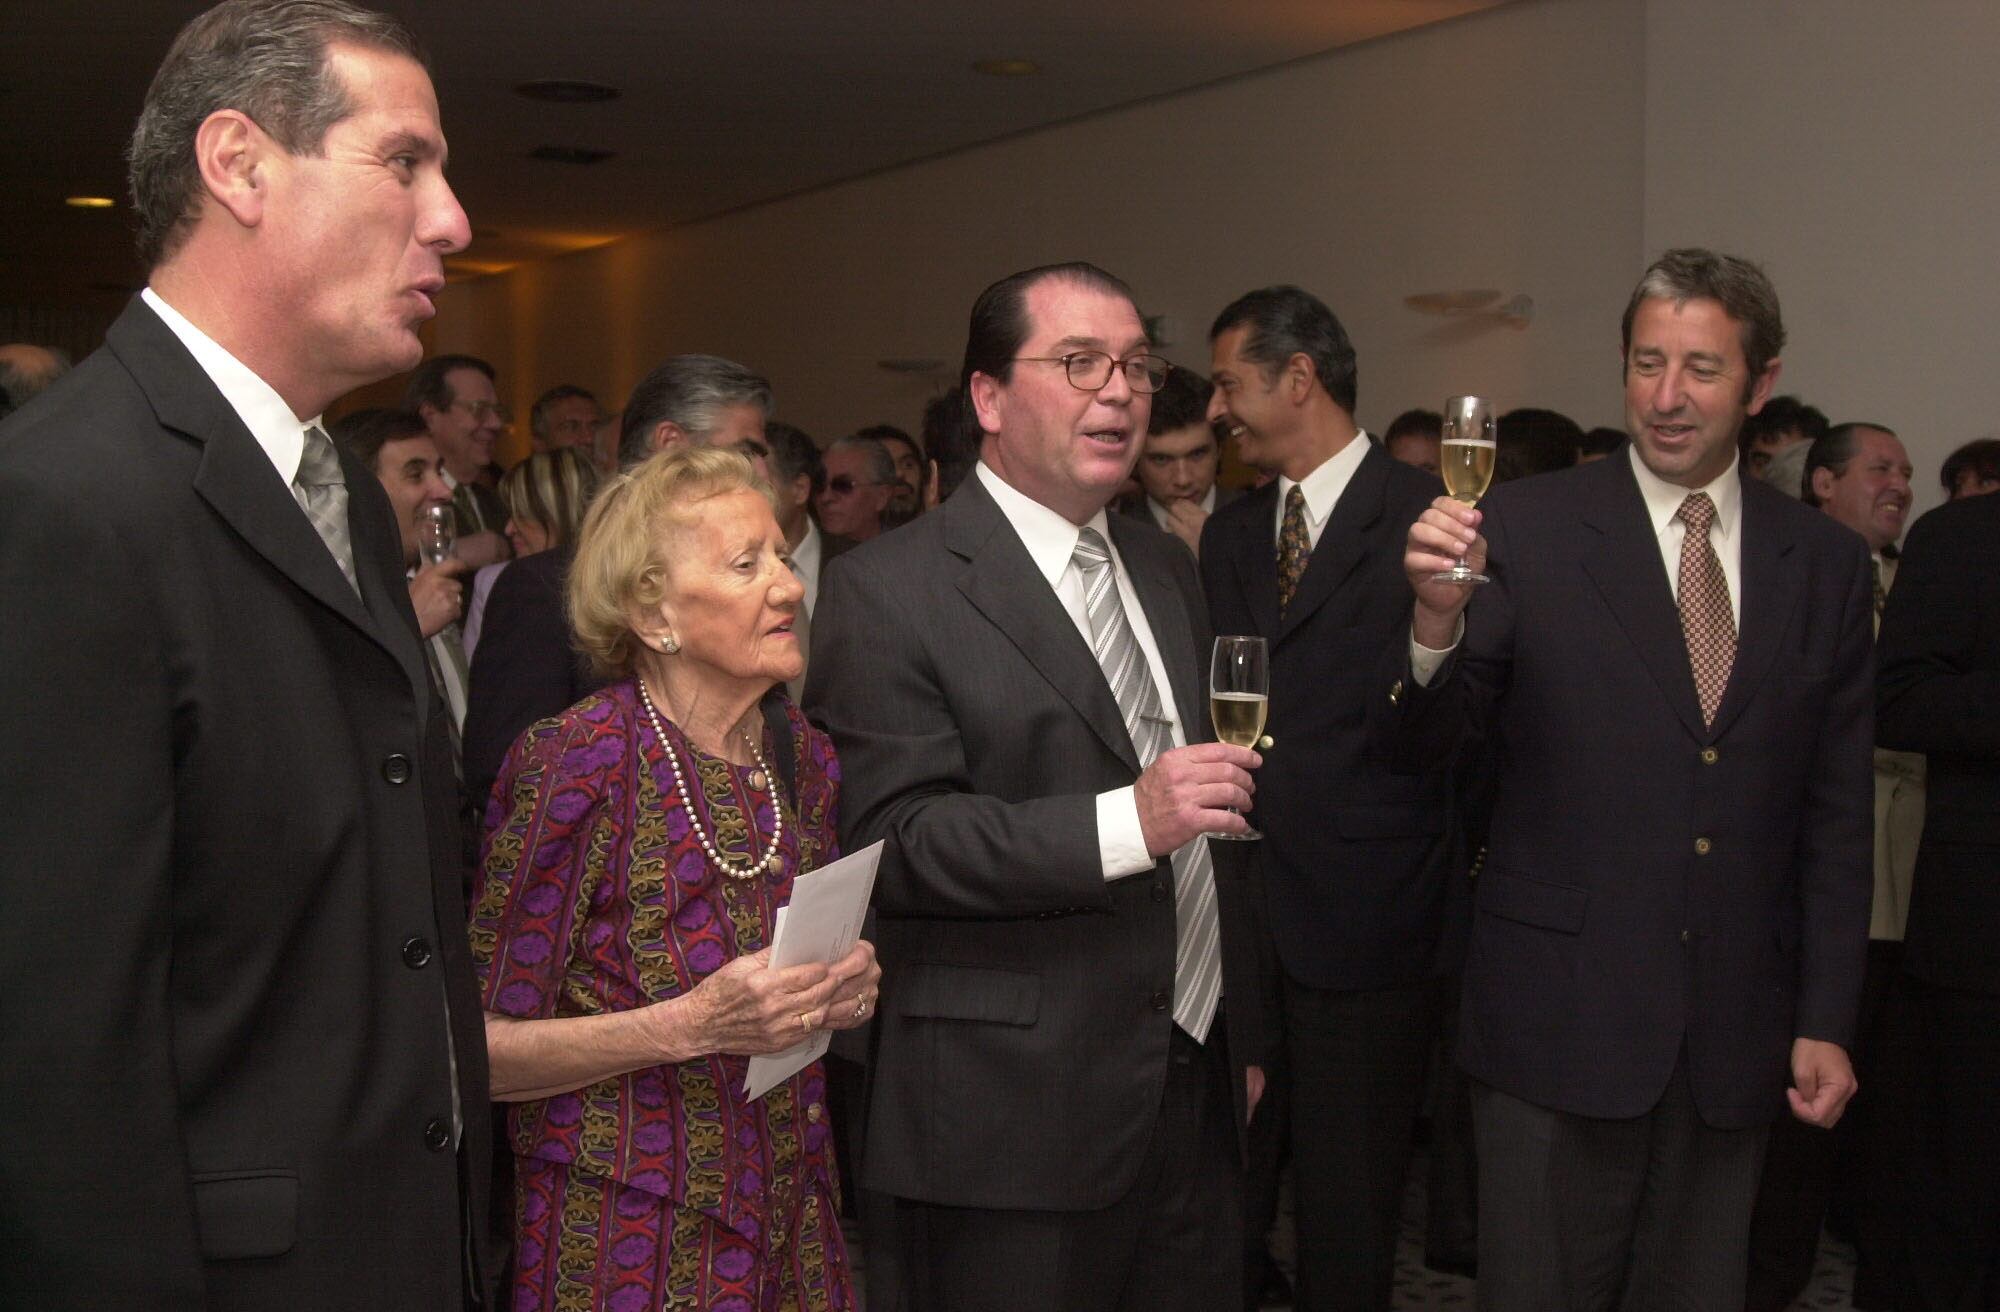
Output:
(1024, 1030)
(231, 877)
(1940, 694)
(1352, 863)
(1665, 905)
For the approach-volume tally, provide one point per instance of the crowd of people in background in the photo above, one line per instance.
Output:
(402, 911)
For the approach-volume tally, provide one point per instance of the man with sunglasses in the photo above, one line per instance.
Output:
(1017, 686)
(455, 397)
(860, 482)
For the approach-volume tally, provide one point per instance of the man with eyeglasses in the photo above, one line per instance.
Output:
(454, 396)
(565, 415)
(1071, 1022)
(860, 481)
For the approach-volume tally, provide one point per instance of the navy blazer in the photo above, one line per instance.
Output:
(1652, 884)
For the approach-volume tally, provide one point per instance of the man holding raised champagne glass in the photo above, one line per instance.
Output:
(1353, 864)
(1671, 665)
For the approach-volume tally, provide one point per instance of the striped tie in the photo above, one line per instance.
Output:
(1197, 938)
(321, 491)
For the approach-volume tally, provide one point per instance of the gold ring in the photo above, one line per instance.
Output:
(805, 1022)
(860, 1007)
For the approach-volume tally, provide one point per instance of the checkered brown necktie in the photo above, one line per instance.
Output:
(1706, 620)
(1294, 546)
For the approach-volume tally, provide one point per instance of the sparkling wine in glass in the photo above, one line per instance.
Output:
(1466, 459)
(1239, 694)
(437, 532)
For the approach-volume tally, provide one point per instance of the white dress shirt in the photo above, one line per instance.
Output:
(1159, 512)
(1322, 487)
(1663, 501)
(1051, 542)
(806, 561)
(281, 433)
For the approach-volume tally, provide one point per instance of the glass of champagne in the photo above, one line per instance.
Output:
(1239, 692)
(1466, 460)
(437, 532)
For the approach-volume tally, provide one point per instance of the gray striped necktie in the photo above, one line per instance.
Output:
(321, 491)
(1198, 937)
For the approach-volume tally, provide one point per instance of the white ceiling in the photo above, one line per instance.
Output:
(726, 102)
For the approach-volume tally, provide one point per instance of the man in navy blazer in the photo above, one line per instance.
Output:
(1674, 665)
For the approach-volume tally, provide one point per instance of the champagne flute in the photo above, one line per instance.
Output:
(437, 533)
(1239, 692)
(1466, 459)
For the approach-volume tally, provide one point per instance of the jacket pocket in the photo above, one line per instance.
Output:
(246, 1213)
(1532, 901)
(944, 992)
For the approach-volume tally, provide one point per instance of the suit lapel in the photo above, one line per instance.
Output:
(1167, 617)
(1771, 590)
(1339, 549)
(235, 477)
(1002, 583)
(1626, 567)
(1254, 557)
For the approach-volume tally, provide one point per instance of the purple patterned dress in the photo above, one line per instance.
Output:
(662, 1188)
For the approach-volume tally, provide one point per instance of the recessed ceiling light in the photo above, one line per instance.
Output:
(567, 91)
(89, 202)
(1007, 67)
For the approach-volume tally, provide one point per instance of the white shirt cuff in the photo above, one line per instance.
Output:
(1424, 661)
(1121, 844)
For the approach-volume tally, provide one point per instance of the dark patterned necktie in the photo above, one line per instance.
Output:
(1706, 620)
(1197, 933)
(321, 491)
(1881, 593)
(1294, 546)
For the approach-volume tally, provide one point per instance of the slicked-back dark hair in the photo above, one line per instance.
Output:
(999, 324)
(266, 58)
(1285, 321)
(430, 383)
(1690, 273)
(1181, 402)
(1834, 450)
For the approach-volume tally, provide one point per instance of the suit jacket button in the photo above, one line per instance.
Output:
(396, 768)
(437, 1134)
(1687, 936)
(1709, 756)
(416, 953)
(1702, 846)
(1160, 1000)
(1159, 891)
(1396, 692)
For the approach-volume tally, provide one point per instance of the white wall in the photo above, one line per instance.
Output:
(1501, 150)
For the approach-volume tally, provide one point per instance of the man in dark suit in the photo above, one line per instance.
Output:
(1068, 1006)
(1673, 664)
(1177, 467)
(454, 395)
(525, 667)
(240, 1048)
(797, 475)
(1352, 861)
(1939, 693)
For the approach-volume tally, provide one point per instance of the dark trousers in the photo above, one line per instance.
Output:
(1807, 1168)
(1451, 1223)
(1174, 1243)
(1578, 1214)
(1950, 1145)
(1357, 1060)
(1270, 1148)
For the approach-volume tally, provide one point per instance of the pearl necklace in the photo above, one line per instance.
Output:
(769, 861)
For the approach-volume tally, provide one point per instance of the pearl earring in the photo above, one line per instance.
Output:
(669, 646)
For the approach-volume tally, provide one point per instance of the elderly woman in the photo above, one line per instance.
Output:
(638, 848)
(546, 496)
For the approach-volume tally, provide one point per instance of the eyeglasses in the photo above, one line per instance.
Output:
(482, 410)
(842, 484)
(1089, 371)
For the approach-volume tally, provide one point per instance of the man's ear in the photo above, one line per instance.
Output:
(985, 392)
(666, 434)
(230, 152)
(1299, 376)
(1822, 484)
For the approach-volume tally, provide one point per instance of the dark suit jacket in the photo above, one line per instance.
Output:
(525, 667)
(1940, 694)
(1025, 1001)
(1651, 882)
(233, 914)
(1353, 856)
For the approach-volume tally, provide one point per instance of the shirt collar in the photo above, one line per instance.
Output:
(278, 431)
(1049, 538)
(1663, 499)
(1324, 485)
(805, 556)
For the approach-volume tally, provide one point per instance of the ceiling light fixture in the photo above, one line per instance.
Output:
(1007, 67)
(567, 91)
(89, 202)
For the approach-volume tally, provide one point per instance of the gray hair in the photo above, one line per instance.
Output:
(881, 460)
(266, 58)
(690, 392)
(1740, 287)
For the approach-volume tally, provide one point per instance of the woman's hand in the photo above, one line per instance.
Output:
(859, 984)
(747, 1009)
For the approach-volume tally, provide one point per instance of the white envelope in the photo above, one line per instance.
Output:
(822, 923)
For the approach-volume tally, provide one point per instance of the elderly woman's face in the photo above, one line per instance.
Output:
(731, 596)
